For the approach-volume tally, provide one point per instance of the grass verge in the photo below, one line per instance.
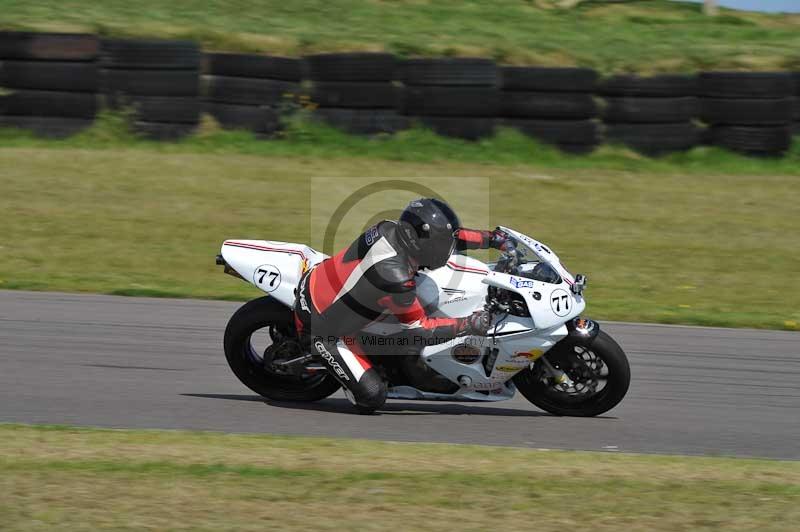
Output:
(81, 479)
(661, 241)
(644, 36)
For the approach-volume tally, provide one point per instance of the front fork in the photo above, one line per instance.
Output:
(558, 376)
(581, 331)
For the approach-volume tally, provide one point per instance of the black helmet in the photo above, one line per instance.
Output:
(428, 226)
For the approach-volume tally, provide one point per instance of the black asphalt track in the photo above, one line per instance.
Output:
(158, 363)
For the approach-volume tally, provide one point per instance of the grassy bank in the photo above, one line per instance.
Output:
(659, 242)
(304, 138)
(131, 480)
(645, 36)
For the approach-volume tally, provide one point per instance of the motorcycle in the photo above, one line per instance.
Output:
(538, 343)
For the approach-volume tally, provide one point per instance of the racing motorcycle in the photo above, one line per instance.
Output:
(538, 343)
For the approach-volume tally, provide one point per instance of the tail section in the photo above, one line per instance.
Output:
(273, 267)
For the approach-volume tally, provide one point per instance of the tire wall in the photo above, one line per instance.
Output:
(454, 97)
(653, 115)
(748, 112)
(554, 105)
(796, 106)
(251, 92)
(157, 80)
(50, 82)
(54, 84)
(356, 92)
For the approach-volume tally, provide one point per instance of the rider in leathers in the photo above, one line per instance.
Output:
(375, 274)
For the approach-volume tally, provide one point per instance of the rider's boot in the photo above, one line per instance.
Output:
(363, 385)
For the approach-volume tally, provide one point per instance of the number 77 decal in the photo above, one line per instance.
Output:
(267, 277)
(559, 302)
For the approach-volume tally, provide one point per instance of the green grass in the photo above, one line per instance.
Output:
(704, 238)
(305, 138)
(644, 36)
(88, 479)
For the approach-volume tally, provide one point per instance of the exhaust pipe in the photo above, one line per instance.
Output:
(230, 271)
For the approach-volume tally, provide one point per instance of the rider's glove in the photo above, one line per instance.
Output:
(478, 323)
(499, 239)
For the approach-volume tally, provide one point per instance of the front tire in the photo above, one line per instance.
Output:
(248, 365)
(584, 364)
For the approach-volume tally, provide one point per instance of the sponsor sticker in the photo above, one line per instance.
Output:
(330, 360)
(508, 369)
(531, 355)
(454, 294)
(371, 235)
(487, 386)
(521, 283)
(303, 302)
(453, 291)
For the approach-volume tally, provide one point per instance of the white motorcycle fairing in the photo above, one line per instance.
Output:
(273, 267)
(456, 290)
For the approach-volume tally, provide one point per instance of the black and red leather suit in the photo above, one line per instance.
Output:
(344, 293)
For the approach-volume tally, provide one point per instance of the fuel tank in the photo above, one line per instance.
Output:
(454, 290)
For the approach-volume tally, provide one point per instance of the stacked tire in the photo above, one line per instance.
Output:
(796, 108)
(749, 112)
(48, 82)
(652, 115)
(553, 105)
(158, 80)
(455, 97)
(250, 92)
(355, 92)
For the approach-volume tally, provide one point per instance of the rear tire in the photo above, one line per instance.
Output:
(248, 366)
(545, 397)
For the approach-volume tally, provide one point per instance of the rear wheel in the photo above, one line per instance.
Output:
(599, 376)
(258, 336)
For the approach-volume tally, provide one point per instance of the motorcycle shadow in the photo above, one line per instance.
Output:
(393, 407)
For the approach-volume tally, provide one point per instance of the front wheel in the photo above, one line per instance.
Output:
(249, 351)
(599, 376)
